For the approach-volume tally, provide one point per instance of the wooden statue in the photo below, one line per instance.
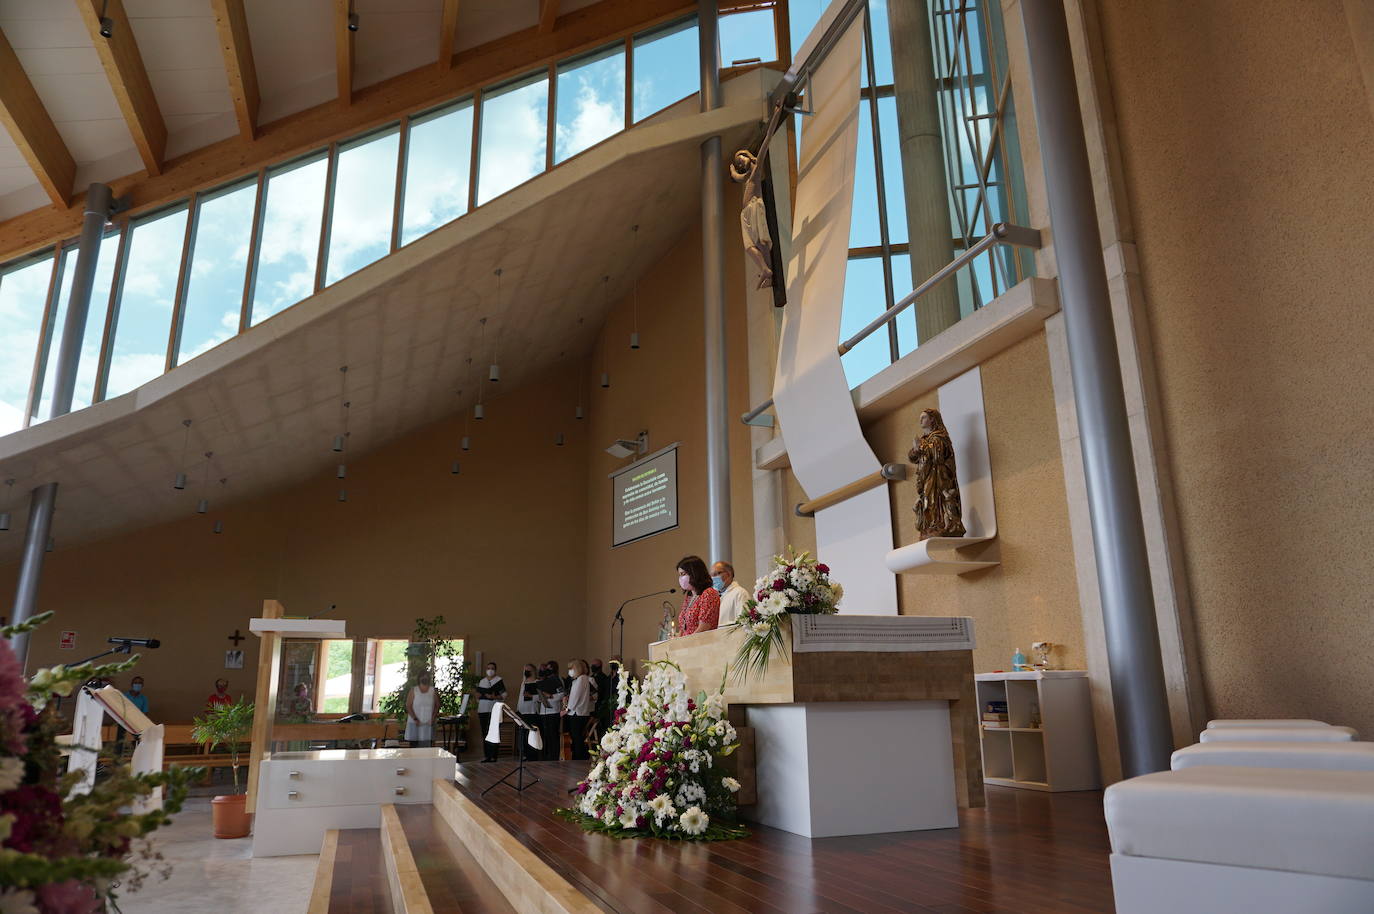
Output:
(938, 509)
(753, 217)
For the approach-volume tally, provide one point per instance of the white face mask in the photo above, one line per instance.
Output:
(491, 674)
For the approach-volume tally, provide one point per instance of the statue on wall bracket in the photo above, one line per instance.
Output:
(753, 217)
(938, 508)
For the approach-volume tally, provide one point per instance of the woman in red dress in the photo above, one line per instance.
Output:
(700, 602)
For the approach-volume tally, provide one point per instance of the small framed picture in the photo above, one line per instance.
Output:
(233, 660)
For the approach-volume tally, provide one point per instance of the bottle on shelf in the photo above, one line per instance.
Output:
(1018, 661)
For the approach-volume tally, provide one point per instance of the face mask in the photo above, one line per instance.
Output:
(491, 673)
(136, 687)
(684, 582)
(718, 583)
(596, 669)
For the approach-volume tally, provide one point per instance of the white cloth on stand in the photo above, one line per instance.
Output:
(498, 709)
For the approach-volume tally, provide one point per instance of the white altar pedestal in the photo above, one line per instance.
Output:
(867, 724)
(301, 795)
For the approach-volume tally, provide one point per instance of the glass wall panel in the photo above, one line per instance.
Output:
(147, 292)
(94, 335)
(23, 296)
(666, 67)
(219, 257)
(438, 166)
(514, 139)
(290, 236)
(590, 101)
(747, 37)
(363, 203)
(863, 300)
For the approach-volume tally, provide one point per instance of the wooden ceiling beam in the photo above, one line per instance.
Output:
(374, 106)
(33, 131)
(548, 15)
(448, 35)
(231, 22)
(128, 78)
(343, 50)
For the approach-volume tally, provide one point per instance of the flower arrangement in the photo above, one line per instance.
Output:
(796, 584)
(60, 852)
(657, 773)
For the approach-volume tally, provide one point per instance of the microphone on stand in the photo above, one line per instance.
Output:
(620, 614)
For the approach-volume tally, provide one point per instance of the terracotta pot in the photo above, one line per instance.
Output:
(230, 817)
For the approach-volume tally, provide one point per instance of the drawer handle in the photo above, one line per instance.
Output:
(403, 771)
(400, 791)
(293, 793)
(294, 774)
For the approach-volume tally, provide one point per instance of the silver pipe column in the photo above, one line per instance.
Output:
(1123, 569)
(713, 295)
(43, 500)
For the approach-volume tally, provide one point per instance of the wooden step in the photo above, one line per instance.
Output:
(350, 877)
(453, 880)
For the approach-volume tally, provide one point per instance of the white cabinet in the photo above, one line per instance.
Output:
(303, 794)
(1047, 742)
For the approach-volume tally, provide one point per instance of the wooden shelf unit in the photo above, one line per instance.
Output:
(1061, 753)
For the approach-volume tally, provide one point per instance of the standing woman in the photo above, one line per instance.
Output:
(490, 690)
(421, 705)
(579, 708)
(700, 601)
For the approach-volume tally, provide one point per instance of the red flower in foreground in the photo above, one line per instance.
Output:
(779, 584)
(823, 568)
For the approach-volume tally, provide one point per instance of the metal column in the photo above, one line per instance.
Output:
(713, 295)
(43, 501)
(1123, 569)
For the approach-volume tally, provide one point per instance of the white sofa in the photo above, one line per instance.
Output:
(1210, 839)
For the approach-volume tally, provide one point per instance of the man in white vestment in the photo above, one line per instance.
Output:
(732, 595)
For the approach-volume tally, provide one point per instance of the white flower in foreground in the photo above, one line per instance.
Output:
(11, 773)
(610, 741)
(730, 784)
(627, 819)
(17, 901)
(597, 771)
(661, 805)
(694, 821)
(608, 816)
(715, 706)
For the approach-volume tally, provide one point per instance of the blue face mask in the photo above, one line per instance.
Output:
(136, 687)
(718, 583)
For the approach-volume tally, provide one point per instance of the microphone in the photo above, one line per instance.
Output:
(619, 612)
(141, 642)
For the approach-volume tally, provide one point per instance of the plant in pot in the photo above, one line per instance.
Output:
(227, 725)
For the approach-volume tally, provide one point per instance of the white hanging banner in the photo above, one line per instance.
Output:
(811, 395)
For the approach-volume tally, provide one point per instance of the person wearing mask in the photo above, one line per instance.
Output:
(490, 690)
(551, 696)
(422, 704)
(732, 595)
(700, 601)
(527, 705)
(220, 696)
(579, 709)
(135, 694)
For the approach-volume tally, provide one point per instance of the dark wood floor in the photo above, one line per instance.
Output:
(452, 877)
(359, 885)
(1026, 851)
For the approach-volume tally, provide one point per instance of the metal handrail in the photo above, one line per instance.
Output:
(1002, 233)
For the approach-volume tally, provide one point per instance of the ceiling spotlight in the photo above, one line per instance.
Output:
(341, 472)
(353, 22)
(219, 526)
(455, 469)
(106, 27)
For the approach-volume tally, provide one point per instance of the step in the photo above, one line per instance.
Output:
(350, 877)
(452, 878)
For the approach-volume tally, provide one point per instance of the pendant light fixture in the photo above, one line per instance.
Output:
(494, 372)
(634, 330)
(203, 505)
(579, 412)
(558, 440)
(5, 513)
(606, 350)
(340, 440)
(479, 411)
(455, 469)
(180, 481)
(219, 524)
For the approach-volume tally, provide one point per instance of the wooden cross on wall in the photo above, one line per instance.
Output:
(236, 637)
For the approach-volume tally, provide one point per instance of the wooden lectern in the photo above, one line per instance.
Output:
(865, 723)
(273, 628)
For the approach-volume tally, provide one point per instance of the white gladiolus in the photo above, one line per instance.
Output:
(597, 772)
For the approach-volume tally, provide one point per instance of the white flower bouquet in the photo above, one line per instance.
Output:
(657, 773)
(796, 584)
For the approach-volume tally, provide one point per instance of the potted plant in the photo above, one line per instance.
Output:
(227, 725)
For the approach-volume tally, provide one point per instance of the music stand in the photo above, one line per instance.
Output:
(519, 771)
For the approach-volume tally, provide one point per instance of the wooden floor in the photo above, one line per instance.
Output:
(1026, 851)
(359, 885)
(452, 877)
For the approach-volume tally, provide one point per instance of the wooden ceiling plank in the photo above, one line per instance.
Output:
(32, 129)
(128, 77)
(343, 51)
(548, 15)
(448, 35)
(373, 106)
(231, 22)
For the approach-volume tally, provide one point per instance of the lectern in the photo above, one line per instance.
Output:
(865, 724)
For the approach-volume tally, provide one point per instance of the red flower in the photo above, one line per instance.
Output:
(823, 568)
(779, 584)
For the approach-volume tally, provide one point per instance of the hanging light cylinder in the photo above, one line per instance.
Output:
(219, 526)
(578, 413)
(180, 481)
(494, 373)
(338, 444)
(634, 340)
(467, 442)
(341, 472)
(4, 521)
(479, 411)
(202, 506)
(605, 379)
(558, 440)
(343, 495)
(455, 468)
